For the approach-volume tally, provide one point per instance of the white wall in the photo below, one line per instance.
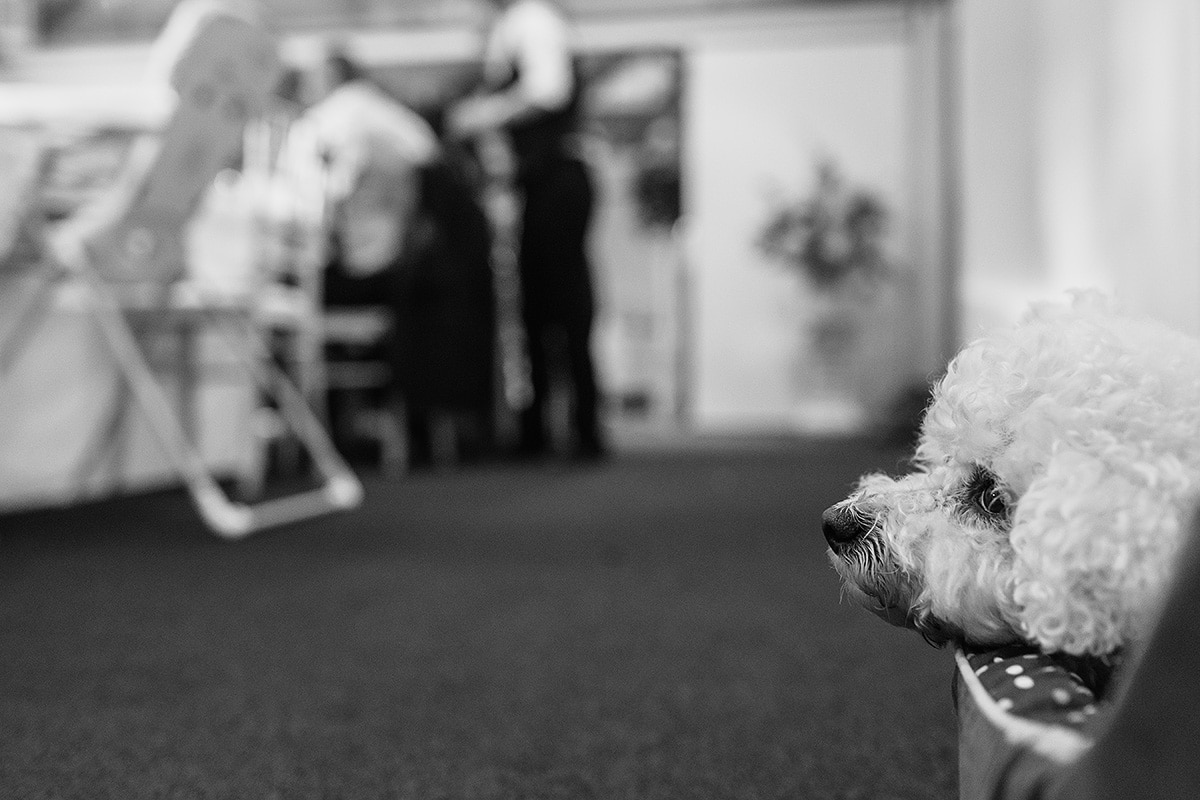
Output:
(760, 111)
(1080, 128)
(758, 117)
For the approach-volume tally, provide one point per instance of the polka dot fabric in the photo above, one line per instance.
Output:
(1049, 688)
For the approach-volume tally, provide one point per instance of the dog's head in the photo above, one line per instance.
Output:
(1057, 463)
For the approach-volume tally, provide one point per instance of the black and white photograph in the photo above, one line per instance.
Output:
(599, 399)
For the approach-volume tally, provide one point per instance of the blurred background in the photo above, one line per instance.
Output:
(1013, 149)
(804, 208)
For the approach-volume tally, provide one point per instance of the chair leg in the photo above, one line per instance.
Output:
(107, 444)
(30, 314)
(231, 520)
(252, 477)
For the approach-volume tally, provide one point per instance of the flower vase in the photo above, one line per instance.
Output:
(831, 337)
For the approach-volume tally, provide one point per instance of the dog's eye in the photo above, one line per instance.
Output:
(985, 496)
(993, 502)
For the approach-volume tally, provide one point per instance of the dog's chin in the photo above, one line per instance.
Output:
(885, 599)
(893, 613)
(933, 630)
(901, 614)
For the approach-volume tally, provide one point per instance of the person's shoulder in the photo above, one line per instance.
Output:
(341, 100)
(366, 98)
(362, 91)
(536, 13)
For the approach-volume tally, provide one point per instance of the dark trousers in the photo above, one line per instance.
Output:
(557, 297)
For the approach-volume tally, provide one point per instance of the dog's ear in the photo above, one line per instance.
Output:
(1093, 538)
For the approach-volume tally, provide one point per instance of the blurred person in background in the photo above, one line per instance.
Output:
(374, 148)
(409, 234)
(532, 93)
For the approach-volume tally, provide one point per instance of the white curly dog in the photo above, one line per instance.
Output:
(1057, 470)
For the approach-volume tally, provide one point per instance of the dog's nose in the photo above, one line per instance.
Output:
(842, 527)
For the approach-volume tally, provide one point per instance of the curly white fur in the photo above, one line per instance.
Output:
(1057, 464)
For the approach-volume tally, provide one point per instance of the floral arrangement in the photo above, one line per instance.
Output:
(832, 236)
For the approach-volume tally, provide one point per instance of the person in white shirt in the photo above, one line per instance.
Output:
(374, 148)
(533, 95)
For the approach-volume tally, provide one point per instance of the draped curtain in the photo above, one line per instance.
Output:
(1107, 100)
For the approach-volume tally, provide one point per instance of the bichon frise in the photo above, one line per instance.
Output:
(1057, 470)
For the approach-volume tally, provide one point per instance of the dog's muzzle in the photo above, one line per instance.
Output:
(843, 527)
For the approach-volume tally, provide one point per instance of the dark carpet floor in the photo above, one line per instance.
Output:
(663, 625)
